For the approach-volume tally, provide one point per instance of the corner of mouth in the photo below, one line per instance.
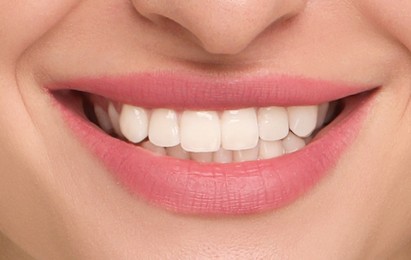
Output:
(219, 166)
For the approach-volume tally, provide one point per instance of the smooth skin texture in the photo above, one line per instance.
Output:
(58, 202)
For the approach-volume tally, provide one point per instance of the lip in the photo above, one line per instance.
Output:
(185, 186)
(187, 91)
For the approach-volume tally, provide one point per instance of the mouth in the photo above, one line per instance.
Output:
(214, 147)
(206, 136)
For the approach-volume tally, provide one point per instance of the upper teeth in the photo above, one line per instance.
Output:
(134, 123)
(220, 136)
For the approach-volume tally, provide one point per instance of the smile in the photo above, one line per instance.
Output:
(213, 136)
(214, 146)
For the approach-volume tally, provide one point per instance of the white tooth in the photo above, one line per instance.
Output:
(322, 112)
(200, 131)
(293, 143)
(223, 156)
(271, 149)
(114, 119)
(246, 155)
(303, 119)
(202, 157)
(134, 123)
(239, 129)
(178, 152)
(154, 148)
(163, 129)
(103, 119)
(273, 123)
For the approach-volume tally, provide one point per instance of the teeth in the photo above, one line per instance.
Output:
(153, 148)
(114, 119)
(134, 123)
(239, 129)
(163, 129)
(223, 156)
(202, 157)
(293, 143)
(303, 119)
(103, 119)
(200, 131)
(246, 155)
(271, 149)
(210, 136)
(273, 123)
(178, 152)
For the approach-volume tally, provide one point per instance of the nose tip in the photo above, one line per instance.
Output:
(222, 27)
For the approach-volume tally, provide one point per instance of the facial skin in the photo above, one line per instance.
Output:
(58, 202)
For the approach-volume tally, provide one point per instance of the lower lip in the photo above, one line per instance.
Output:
(185, 186)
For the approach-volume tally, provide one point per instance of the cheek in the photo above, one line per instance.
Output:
(23, 22)
(392, 16)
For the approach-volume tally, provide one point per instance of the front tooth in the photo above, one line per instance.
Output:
(134, 123)
(246, 155)
(303, 119)
(239, 129)
(114, 119)
(293, 143)
(163, 129)
(200, 131)
(223, 156)
(103, 119)
(273, 123)
(271, 149)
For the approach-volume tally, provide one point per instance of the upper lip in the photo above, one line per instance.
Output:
(186, 186)
(186, 91)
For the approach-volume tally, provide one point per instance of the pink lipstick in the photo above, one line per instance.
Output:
(186, 186)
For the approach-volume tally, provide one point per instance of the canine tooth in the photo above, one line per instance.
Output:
(177, 152)
(114, 119)
(246, 155)
(239, 129)
(322, 113)
(303, 119)
(134, 123)
(271, 149)
(273, 123)
(202, 157)
(163, 128)
(103, 119)
(223, 156)
(200, 131)
(154, 148)
(293, 143)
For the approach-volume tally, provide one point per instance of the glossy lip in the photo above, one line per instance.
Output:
(186, 91)
(189, 187)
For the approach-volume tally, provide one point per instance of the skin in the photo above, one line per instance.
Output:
(58, 202)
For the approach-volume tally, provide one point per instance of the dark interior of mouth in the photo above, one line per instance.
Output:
(88, 111)
(88, 108)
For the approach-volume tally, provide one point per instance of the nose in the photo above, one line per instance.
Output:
(221, 26)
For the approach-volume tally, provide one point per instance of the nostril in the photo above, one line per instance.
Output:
(219, 27)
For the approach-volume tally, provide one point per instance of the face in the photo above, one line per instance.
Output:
(196, 129)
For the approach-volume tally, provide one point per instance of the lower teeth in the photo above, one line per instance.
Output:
(105, 114)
